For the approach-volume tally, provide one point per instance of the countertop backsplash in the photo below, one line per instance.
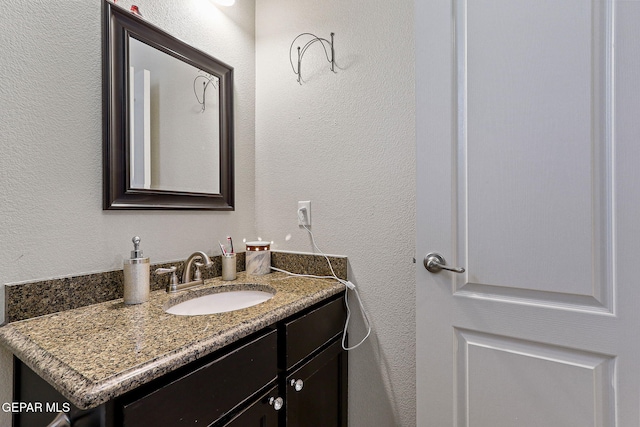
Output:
(33, 299)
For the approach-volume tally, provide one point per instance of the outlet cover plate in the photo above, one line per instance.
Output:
(307, 216)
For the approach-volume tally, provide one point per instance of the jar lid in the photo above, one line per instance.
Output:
(258, 246)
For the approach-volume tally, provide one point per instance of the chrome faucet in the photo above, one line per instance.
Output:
(187, 280)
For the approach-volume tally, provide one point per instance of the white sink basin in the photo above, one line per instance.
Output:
(220, 302)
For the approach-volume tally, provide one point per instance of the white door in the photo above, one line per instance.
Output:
(528, 178)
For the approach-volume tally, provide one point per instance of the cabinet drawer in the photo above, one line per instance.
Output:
(307, 333)
(204, 395)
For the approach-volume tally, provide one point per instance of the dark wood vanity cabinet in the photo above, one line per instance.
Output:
(291, 374)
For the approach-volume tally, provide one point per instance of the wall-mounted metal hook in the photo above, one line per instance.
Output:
(301, 51)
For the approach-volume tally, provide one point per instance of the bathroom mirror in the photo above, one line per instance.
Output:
(167, 120)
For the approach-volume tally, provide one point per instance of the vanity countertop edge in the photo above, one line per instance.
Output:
(95, 353)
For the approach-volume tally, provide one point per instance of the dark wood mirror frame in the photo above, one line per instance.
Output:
(118, 26)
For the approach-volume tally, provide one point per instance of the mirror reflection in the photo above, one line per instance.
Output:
(175, 129)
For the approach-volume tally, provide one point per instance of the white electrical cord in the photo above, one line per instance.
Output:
(348, 285)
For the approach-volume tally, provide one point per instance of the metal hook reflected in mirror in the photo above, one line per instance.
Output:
(208, 80)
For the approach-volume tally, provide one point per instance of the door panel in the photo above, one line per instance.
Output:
(528, 172)
(498, 376)
(533, 163)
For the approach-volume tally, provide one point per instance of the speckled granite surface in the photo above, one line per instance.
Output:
(300, 263)
(95, 353)
(27, 300)
(32, 299)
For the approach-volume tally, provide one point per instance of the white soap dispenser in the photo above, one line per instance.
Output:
(136, 276)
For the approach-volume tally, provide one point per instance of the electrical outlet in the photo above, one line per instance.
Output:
(304, 217)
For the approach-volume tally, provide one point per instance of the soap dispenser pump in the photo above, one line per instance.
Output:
(136, 276)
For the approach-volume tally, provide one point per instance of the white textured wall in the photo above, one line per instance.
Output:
(347, 143)
(51, 218)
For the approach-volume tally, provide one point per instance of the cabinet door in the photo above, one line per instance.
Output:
(260, 414)
(320, 398)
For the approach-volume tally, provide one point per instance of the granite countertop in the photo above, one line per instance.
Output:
(95, 353)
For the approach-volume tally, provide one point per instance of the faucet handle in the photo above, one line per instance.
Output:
(198, 273)
(173, 280)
